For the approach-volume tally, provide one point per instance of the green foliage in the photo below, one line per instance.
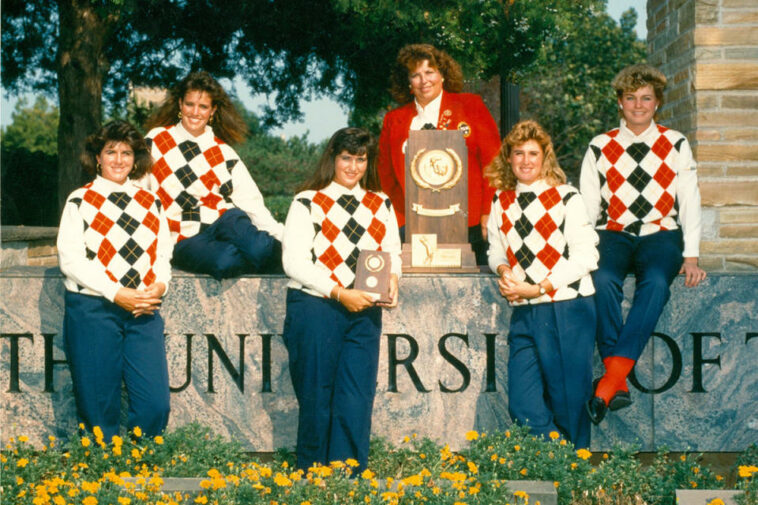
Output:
(568, 88)
(33, 128)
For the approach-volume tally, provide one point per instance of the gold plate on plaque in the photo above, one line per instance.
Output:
(436, 169)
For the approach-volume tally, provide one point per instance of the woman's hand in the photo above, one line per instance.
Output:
(140, 302)
(393, 294)
(693, 274)
(354, 300)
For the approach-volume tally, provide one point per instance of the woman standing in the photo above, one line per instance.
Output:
(219, 223)
(114, 248)
(542, 247)
(639, 184)
(427, 83)
(332, 330)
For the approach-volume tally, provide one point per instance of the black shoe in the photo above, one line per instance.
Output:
(620, 400)
(596, 409)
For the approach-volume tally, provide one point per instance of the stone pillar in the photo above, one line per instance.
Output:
(708, 49)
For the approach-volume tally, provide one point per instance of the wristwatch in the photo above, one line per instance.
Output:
(542, 289)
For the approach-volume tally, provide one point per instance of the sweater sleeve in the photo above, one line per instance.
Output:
(72, 255)
(581, 240)
(589, 186)
(247, 197)
(162, 267)
(297, 242)
(496, 251)
(688, 196)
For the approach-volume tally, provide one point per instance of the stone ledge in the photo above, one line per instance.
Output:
(27, 233)
(704, 496)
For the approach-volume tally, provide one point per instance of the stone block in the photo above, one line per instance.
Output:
(43, 261)
(726, 75)
(37, 250)
(705, 100)
(706, 496)
(726, 152)
(729, 246)
(739, 216)
(707, 134)
(710, 223)
(738, 4)
(741, 53)
(740, 17)
(739, 230)
(716, 36)
(13, 254)
(729, 193)
(686, 17)
(732, 118)
(442, 371)
(708, 53)
(741, 263)
(741, 133)
(742, 170)
(707, 12)
(711, 263)
(705, 169)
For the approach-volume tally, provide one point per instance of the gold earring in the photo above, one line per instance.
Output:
(179, 114)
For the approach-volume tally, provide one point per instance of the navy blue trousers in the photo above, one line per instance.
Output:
(333, 362)
(106, 345)
(229, 247)
(550, 367)
(655, 261)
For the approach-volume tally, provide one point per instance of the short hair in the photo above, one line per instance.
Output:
(500, 172)
(355, 141)
(115, 132)
(227, 123)
(410, 57)
(634, 77)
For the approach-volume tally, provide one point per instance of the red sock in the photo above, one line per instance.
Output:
(616, 371)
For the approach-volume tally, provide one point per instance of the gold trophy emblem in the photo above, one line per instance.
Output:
(436, 169)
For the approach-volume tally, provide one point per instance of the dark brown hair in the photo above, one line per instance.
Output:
(634, 77)
(227, 123)
(410, 57)
(500, 173)
(355, 141)
(114, 132)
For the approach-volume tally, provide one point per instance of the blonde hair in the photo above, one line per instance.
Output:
(634, 77)
(500, 172)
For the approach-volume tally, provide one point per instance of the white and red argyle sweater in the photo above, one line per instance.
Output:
(112, 236)
(642, 184)
(326, 229)
(542, 232)
(200, 178)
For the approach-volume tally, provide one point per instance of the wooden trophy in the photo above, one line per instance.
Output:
(436, 203)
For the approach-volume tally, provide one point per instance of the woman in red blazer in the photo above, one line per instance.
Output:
(427, 82)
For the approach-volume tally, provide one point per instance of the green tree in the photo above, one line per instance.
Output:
(90, 49)
(568, 88)
(34, 128)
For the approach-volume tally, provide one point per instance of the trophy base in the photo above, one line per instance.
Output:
(448, 258)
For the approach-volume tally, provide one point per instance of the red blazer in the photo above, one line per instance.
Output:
(457, 111)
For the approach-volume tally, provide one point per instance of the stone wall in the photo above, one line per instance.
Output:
(708, 49)
(442, 369)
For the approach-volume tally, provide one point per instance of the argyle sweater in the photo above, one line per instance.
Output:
(112, 236)
(326, 229)
(200, 178)
(642, 184)
(542, 232)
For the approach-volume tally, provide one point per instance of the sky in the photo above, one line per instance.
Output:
(322, 117)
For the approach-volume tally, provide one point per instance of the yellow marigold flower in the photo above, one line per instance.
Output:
(556, 484)
(436, 490)
(563, 441)
(554, 435)
(158, 440)
(137, 431)
(90, 487)
(117, 441)
(605, 455)
(352, 462)
(573, 466)
(507, 433)
(59, 500)
(695, 470)
(473, 490)
(413, 480)
(265, 472)
(719, 478)
(123, 500)
(693, 484)
(501, 461)
(117, 450)
(86, 442)
(523, 471)
(337, 464)
(521, 494)
(683, 457)
(516, 448)
(72, 492)
(422, 456)
(460, 503)
(425, 473)
(716, 501)
(746, 471)
(19, 480)
(472, 467)
(306, 502)
(90, 500)
(472, 435)
(367, 474)
(206, 484)
(281, 480)
(21, 463)
(583, 454)
(23, 438)
(97, 431)
(493, 457)
(406, 439)
(201, 499)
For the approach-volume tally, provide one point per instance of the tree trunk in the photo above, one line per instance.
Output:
(82, 67)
